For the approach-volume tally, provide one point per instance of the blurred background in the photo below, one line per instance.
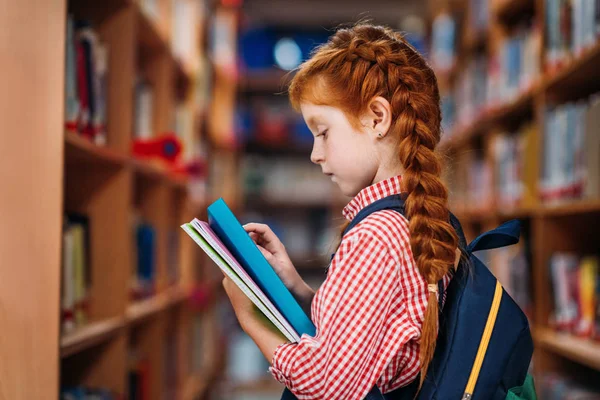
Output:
(123, 119)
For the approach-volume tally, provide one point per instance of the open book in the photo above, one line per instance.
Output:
(227, 243)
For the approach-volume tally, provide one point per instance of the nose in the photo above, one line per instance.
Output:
(316, 155)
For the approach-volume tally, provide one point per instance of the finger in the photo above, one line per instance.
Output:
(265, 236)
(254, 236)
(268, 255)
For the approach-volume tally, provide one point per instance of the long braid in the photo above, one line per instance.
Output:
(368, 61)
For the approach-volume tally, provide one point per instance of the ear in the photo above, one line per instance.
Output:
(378, 117)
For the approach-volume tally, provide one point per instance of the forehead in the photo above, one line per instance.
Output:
(315, 114)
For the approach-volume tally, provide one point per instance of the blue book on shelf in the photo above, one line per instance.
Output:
(224, 223)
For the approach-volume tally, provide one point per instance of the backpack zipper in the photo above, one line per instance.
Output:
(485, 341)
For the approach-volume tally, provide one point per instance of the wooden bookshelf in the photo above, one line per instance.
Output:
(565, 227)
(52, 172)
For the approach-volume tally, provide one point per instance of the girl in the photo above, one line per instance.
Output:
(372, 103)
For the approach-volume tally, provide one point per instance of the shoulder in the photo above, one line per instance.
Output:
(388, 228)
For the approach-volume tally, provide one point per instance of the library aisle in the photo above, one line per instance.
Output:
(124, 119)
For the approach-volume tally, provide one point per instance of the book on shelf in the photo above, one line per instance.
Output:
(75, 271)
(571, 152)
(144, 274)
(576, 290)
(86, 71)
(572, 27)
(226, 242)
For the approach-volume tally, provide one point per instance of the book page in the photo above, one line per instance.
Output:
(263, 305)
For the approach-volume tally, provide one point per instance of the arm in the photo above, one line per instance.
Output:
(348, 355)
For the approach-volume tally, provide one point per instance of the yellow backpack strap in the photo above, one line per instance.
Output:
(483, 344)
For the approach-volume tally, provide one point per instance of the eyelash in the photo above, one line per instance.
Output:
(324, 133)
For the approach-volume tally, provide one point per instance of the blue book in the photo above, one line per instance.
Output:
(229, 230)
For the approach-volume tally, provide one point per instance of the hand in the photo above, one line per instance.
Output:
(266, 339)
(241, 304)
(274, 251)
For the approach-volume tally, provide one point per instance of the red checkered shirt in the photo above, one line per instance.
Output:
(368, 312)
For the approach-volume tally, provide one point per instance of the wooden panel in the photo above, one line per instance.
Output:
(119, 33)
(31, 152)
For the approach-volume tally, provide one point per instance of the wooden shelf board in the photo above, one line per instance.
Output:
(81, 150)
(521, 105)
(583, 351)
(143, 309)
(573, 208)
(515, 213)
(156, 172)
(89, 335)
(580, 73)
(149, 35)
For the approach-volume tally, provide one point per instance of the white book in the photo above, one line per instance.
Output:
(204, 236)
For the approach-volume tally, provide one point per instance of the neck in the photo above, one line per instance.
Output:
(387, 173)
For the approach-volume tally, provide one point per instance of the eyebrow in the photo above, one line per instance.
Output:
(313, 121)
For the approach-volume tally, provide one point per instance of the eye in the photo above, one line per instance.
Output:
(324, 133)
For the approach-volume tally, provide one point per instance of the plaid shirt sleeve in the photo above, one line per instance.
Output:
(355, 340)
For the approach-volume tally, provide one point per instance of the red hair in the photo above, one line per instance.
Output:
(353, 67)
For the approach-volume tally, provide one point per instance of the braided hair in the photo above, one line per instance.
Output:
(356, 65)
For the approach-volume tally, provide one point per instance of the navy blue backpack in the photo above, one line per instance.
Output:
(484, 345)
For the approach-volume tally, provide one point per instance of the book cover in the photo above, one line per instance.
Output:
(224, 223)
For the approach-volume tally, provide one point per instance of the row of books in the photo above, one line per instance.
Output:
(571, 151)
(553, 386)
(86, 393)
(281, 179)
(491, 81)
(572, 26)
(75, 272)
(515, 167)
(576, 294)
(85, 81)
(516, 67)
(570, 161)
(471, 180)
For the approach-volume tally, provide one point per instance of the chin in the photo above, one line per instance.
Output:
(346, 190)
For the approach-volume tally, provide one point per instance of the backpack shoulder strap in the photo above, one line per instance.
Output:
(505, 235)
(394, 202)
